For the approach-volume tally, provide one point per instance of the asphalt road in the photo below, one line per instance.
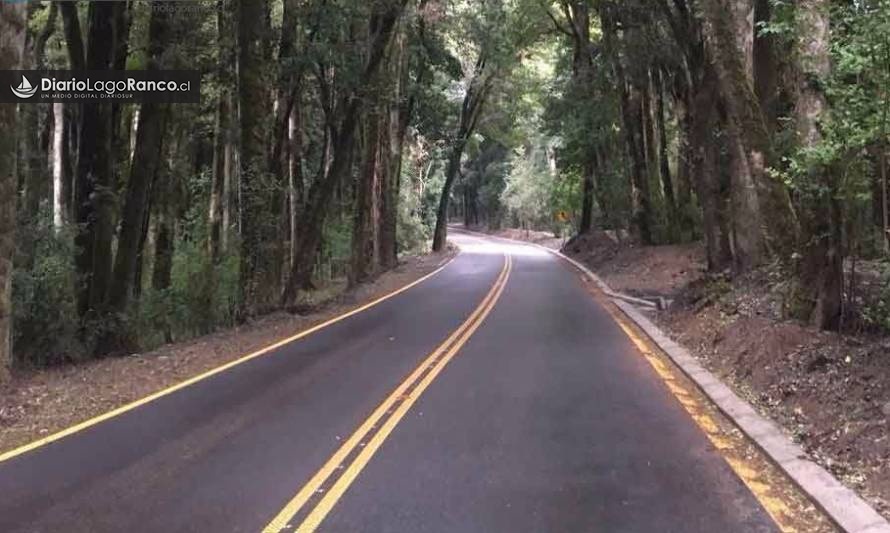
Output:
(537, 416)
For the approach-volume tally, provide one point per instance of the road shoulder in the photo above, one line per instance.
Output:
(38, 403)
(843, 506)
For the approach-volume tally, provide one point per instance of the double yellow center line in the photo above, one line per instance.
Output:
(316, 499)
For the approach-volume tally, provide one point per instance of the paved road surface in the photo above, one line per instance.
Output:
(538, 416)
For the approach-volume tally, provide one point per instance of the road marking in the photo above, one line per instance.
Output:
(191, 381)
(775, 507)
(386, 417)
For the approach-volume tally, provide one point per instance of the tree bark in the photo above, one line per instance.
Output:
(59, 166)
(632, 127)
(702, 122)
(259, 189)
(94, 194)
(149, 136)
(746, 219)
(885, 212)
(33, 168)
(667, 182)
(367, 208)
(295, 171)
(821, 276)
(577, 15)
(632, 112)
(395, 124)
(13, 25)
(474, 100)
(743, 109)
(313, 216)
(587, 193)
(223, 134)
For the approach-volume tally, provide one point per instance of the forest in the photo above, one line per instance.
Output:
(333, 137)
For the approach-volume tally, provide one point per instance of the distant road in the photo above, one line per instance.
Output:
(496, 396)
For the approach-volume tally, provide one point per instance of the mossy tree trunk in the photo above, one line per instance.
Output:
(13, 25)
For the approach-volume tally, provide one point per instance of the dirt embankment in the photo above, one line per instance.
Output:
(37, 403)
(829, 391)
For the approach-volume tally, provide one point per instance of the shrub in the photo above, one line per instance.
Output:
(44, 307)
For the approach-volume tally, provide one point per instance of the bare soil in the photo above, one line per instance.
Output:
(830, 392)
(37, 403)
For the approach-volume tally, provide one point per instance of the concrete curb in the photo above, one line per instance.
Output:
(843, 506)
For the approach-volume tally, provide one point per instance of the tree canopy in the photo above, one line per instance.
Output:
(333, 136)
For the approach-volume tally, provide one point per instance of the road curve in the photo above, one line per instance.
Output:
(519, 405)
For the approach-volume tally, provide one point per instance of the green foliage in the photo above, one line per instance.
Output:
(414, 232)
(201, 298)
(858, 122)
(527, 191)
(876, 312)
(45, 323)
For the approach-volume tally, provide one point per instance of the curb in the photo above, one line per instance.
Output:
(843, 506)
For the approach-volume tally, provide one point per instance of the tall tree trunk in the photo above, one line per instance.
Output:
(223, 134)
(746, 115)
(746, 220)
(474, 100)
(32, 166)
(313, 216)
(149, 136)
(295, 171)
(821, 276)
(767, 66)
(702, 121)
(631, 121)
(685, 154)
(667, 183)
(632, 111)
(93, 176)
(885, 212)
(578, 18)
(367, 208)
(587, 193)
(440, 234)
(396, 120)
(13, 25)
(258, 191)
(650, 145)
(59, 166)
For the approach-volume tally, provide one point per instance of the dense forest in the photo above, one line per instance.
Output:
(334, 136)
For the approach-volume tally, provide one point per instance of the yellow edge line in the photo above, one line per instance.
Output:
(181, 385)
(296, 503)
(777, 509)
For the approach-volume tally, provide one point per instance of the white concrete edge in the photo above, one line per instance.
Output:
(842, 505)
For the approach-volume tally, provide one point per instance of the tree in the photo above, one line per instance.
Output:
(13, 26)
(383, 20)
(149, 137)
(478, 87)
(723, 31)
(821, 276)
(577, 27)
(93, 188)
(260, 187)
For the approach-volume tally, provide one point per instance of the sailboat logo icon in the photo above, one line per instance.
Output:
(25, 89)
